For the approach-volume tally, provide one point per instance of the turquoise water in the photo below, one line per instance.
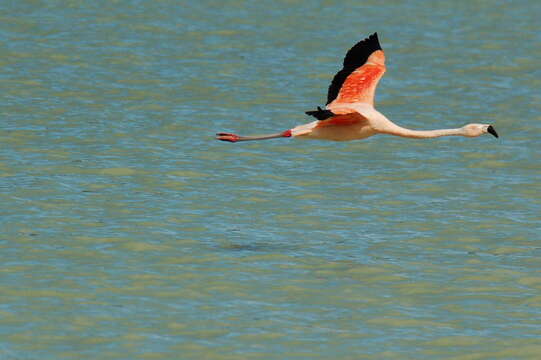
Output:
(129, 233)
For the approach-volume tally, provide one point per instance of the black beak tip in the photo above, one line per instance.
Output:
(492, 131)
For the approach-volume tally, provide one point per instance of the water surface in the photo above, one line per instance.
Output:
(129, 233)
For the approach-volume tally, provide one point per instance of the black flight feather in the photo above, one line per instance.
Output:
(355, 58)
(320, 114)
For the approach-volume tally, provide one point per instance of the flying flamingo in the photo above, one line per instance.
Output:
(350, 113)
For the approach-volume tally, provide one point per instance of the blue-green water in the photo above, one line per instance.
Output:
(127, 232)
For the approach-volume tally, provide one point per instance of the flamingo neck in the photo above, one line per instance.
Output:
(393, 129)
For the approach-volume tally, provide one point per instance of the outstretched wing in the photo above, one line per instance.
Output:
(364, 65)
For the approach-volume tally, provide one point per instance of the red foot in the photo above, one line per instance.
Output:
(227, 137)
(286, 133)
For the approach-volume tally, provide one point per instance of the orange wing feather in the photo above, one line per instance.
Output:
(364, 65)
(342, 120)
(360, 85)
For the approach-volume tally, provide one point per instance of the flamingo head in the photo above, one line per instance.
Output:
(474, 130)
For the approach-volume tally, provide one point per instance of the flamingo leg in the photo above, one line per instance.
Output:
(234, 137)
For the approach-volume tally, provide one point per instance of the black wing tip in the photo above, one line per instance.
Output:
(320, 114)
(362, 49)
(375, 41)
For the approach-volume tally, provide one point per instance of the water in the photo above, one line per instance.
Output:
(129, 233)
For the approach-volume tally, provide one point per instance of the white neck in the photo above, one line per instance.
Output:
(391, 128)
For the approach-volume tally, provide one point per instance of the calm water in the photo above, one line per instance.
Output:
(127, 232)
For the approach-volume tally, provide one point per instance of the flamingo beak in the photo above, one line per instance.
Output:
(491, 130)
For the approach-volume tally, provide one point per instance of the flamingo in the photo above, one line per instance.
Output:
(350, 114)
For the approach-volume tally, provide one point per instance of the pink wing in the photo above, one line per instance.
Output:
(360, 86)
(345, 119)
(364, 65)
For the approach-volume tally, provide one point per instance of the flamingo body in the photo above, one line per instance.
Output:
(350, 112)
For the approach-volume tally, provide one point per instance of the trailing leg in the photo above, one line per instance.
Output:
(234, 137)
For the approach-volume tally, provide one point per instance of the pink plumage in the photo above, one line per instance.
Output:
(350, 112)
